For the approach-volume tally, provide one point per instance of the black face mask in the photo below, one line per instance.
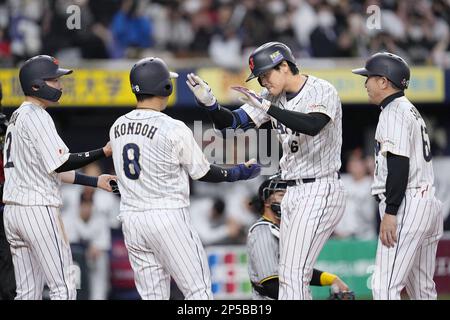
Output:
(276, 207)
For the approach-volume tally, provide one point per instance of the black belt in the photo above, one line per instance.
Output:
(291, 183)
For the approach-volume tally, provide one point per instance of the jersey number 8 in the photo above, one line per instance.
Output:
(131, 165)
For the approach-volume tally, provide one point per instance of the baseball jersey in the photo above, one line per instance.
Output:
(307, 156)
(32, 152)
(263, 250)
(153, 155)
(402, 131)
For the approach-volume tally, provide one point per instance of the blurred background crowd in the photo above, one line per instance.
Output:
(225, 30)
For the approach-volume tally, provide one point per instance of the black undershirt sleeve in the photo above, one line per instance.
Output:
(306, 123)
(79, 160)
(222, 117)
(315, 280)
(268, 288)
(396, 181)
(215, 174)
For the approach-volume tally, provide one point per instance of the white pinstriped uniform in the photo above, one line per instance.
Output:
(153, 155)
(411, 262)
(41, 253)
(264, 252)
(310, 211)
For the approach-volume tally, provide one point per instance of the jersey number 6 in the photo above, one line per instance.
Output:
(131, 165)
(426, 143)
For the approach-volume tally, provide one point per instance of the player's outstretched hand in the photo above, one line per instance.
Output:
(249, 170)
(252, 98)
(201, 90)
(107, 149)
(339, 285)
(104, 182)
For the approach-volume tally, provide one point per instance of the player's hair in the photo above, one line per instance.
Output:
(292, 67)
(142, 96)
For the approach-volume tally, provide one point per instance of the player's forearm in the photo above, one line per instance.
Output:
(227, 119)
(219, 174)
(306, 123)
(67, 177)
(81, 159)
(396, 181)
(221, 117)
(321, 278)
(74, 177)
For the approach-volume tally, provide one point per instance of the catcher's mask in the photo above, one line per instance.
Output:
(269, 187)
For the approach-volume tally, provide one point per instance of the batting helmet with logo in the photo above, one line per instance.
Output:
(388, 65)
(35, 71)
(267, 57)
(152, 76)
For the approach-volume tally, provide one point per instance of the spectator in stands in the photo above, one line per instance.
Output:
(130, 29)
(209, 219)
(90, 231)
(359, 219)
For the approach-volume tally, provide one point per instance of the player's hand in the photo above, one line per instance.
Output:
(107, 149)
(388, 230)
(201, 90)
(252, 98)
(249, 170)
(104, 182)
(339, 286)
(114, 186)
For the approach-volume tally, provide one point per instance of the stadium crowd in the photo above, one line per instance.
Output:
(225, 30)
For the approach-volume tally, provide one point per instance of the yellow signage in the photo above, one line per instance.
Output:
(84, 87)
(426, 85)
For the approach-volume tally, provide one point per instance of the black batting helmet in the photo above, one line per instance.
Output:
(267, 57)
(35, 71)
(387, 65)
(152, 76)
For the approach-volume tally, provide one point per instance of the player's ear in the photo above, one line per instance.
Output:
(384, 82)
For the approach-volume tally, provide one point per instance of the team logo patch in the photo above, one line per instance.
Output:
(251, 64)
(55, 61)
(405, 83)
(276, 57)
(315, 106)
(388, 144)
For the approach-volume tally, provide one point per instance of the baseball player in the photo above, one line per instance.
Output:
(263, 245)
(36, 161)
(306, 112)
(7, 280)
(411, 216)
(154, 155)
